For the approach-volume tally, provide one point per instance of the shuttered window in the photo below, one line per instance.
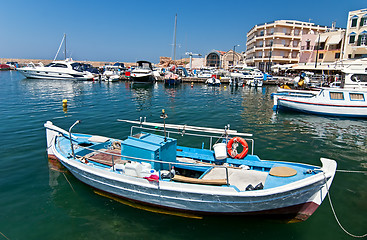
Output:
(356, 96)
(336, 96)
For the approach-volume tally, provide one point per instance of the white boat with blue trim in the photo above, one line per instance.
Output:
(57, 70)
(328, 101)
(155, 171)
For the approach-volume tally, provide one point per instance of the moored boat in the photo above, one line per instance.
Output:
(328, 101)
(213, 81)
(155, 170)
(58, 70)
(143, 73)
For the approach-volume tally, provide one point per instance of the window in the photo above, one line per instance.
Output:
(337, 55)
(362, 39)
(356, 96)
(359, 77)
(352, 39)
(308, 44)
(283, 42)
(336, 96)
(321, 56)
(59, 65)
(363, 21)
(354, 22)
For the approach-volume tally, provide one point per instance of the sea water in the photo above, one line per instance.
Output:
(39, 200)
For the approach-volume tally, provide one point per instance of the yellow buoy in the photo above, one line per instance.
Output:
(65, 105)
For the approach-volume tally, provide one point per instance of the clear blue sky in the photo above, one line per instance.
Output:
(134, 30)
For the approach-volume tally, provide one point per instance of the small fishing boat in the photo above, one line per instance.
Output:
(154, 170)
(328, 101)
(345, 98)
(171, 77)
(213, 81)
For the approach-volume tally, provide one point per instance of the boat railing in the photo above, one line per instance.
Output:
(131, 158)
(184, 132)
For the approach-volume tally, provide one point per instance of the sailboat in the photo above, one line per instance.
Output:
(172, 77)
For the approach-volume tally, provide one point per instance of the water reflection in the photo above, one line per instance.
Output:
(142, 95)
(351, 132)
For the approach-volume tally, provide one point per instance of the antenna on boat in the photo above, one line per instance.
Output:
(164, 116)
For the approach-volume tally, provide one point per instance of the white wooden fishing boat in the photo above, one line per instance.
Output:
(329, 101)
(156, 171)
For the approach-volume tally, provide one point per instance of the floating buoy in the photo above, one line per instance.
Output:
(192, 84)
(65, 105)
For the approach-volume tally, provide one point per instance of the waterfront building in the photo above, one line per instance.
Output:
(355, 46)
(277, 42)
(322, 48)
(214, 58)
(222, 59)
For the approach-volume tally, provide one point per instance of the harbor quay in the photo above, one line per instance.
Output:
(277, 80)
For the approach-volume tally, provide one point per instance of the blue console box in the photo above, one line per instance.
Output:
(150, 146)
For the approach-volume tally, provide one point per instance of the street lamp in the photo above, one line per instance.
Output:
(234, 50)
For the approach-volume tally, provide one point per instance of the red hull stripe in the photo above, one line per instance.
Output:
(322, 104)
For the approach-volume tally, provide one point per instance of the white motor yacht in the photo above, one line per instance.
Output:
(143, 73)
(66, 69)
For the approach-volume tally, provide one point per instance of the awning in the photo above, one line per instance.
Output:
(312, 67)
(334, 39)
(352, 34)
(322, 39)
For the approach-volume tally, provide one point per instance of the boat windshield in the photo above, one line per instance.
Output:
(58, 65)
(77, 67)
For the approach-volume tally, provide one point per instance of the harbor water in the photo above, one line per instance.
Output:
(41, 201)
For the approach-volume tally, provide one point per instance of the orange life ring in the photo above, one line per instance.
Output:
(244, 145)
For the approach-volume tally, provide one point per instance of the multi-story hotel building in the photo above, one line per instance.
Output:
(322, 48)
(277, 42)
(356, 35)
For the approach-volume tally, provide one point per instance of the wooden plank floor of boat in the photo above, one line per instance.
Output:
(106, 158)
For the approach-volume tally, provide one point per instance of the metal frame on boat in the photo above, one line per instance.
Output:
(153, 170)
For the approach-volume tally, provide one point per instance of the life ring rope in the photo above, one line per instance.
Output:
(232, 148)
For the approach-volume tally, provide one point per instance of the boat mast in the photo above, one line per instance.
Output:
(174, 44)
(64, 38)
(65, 44)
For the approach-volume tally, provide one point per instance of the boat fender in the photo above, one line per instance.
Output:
(232, 148)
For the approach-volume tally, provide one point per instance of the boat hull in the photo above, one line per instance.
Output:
(39, 74)
(323, 109)
(298, 199)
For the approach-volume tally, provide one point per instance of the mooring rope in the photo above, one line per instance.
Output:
(4, 236)
(336, 218)
(68, 182)
(351, 171)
